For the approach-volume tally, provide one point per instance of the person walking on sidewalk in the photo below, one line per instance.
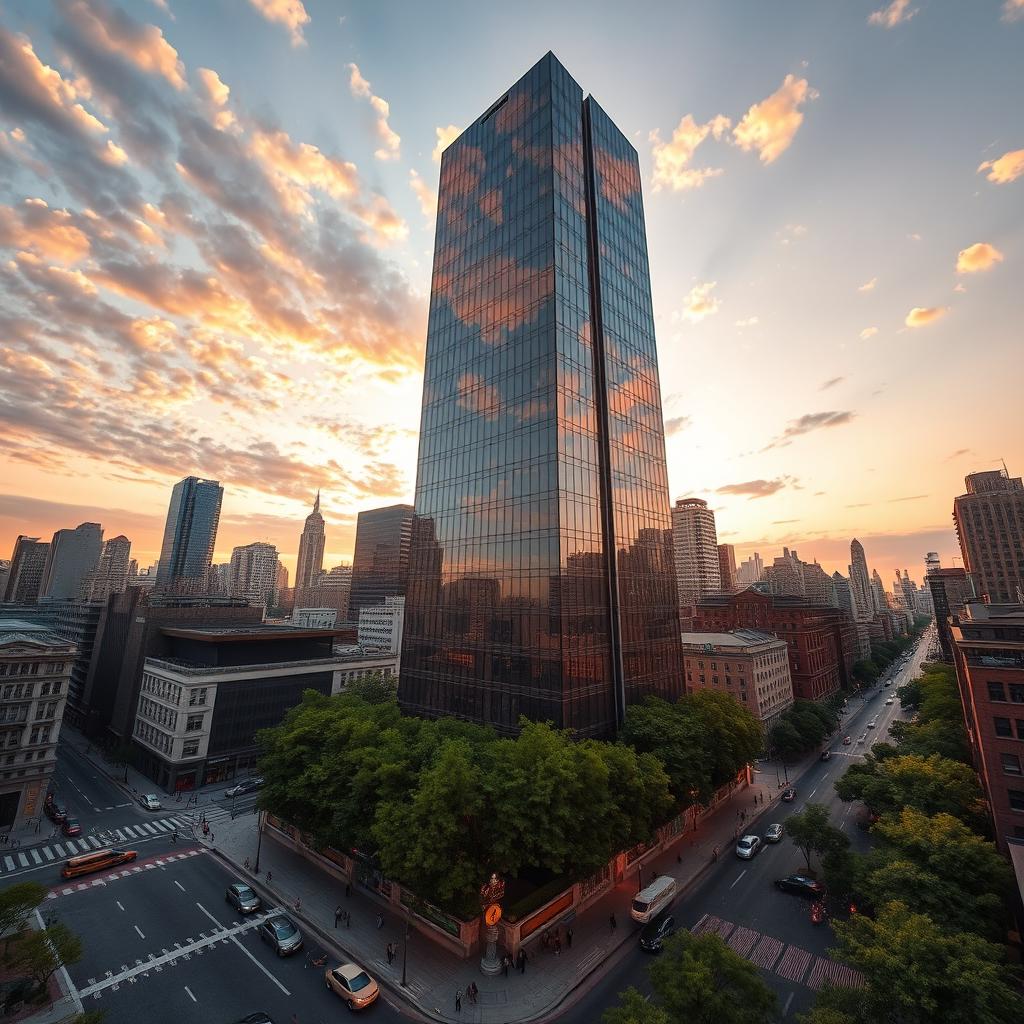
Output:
(269, 876)
(522, 961)
(348, 889)
(458, 1001)
(568, 938)
(338, 914)
(391, 953)
(558, 946)
(714, 854)
(613, 922)
(380, 920)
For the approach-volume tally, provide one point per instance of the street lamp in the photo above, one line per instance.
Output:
(405, 948)
(259, 843)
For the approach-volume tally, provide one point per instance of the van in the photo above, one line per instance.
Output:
(648, 903)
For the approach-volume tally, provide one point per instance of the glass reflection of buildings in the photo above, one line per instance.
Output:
(541, 572)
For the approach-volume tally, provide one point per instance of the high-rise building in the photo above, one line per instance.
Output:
(111, 575)
(5, 575)
(541, 581)
(931, 562)
(189, 535)
(727, 567)
(28, 561)
(71, 562)
(860, 583)
(990, 524)
(750, 570)
(951, 589)
(253, 572)
(878, 592)
(311, 550)
(695, 544)
(281, 584)
(380, 563)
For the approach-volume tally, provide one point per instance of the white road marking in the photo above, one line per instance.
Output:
(36, 857)
(84, 845)
(94, 842)
(180, 886)
(789, 999)
(231, 934)
(139, 930)
(127, 831)
(192, 997)
(741, 874)
(47, 853)
(8, 863)
(59, 849)
(119, 906)
(23, 859)
(812, 792)
(149, 828)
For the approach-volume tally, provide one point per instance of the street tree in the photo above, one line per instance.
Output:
(635, 1008)
(916, 973)
(654, 726)
(731, 735)
(40, 954)
(785, 740)
(698, 979)
(811, 832)
(17, 903)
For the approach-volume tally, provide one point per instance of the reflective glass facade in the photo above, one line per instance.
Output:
(541, 580)
(380, 562)
(190, 532)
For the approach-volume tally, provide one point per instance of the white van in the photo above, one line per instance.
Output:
(658, 895)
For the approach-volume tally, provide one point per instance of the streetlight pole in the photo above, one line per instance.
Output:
(405, 949)
(259, 843)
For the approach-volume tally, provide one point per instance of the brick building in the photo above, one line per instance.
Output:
(821, 641)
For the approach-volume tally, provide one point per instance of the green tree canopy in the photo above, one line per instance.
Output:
(40, 954)
(811, 832)
(634, 1008)
(17, 903)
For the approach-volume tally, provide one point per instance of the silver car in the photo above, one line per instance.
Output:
(242, 898)
(748, 846)
(773, 833)
(282, 935)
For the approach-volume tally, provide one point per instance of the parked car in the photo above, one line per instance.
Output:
(789, 796)
(872, 723)
(826, 755)
(656, 932)
(353, 984)
(71, 827)
(748, 846)
(242, 897)
(56, 812)
(282, 935)
(150, 801)
(847, 741)
(801, 885)
(888, 701)
(246, 786)
(773, 833)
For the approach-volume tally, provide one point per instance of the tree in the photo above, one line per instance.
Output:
(42, 953)
(810, 831)
(732, 736)
(699, 980)
(654, 726)
(17, 903)
(910, 694)
(374, 688)
(918, 974)
(785, 740)
(634, 1008)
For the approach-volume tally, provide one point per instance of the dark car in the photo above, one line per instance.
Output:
(56, 812)
(826, 755)
(282, 934)
(801, 885)
(242, 897)
(789, 796)
(255, 1018)
(246, 786)
(655, 932)
(71, 827)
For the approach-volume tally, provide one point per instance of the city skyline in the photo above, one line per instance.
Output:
(205, 205)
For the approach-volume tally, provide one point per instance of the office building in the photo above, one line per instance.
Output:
(860, 583)
(727, 567)
(751, 666)
(988, 650)
(315, 618)
(253, 573)
(541, 581)
(189, 535)
(111, 575)
(28, 560)
(750, 570)
(951, 589)
(34, 668)
(695, 544)
(71, 562)
(5, 575)
(380, 562)
(990, 524)
(311, 550)
(931, 562)
(380, 625)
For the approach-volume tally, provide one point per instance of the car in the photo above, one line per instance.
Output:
(246, 786)
(151, 802)
(888, 702)
(847, 741)
(281, 933)
(801, 885)
(242, 897)
(789, 796)
(56, 812)
(826, 755)
(353, 984)
(872, 723)
(655, 932)
(748, 847)
(71, 827)
(256, 1018)
(888, 682)
(862, 737)
(773, 833)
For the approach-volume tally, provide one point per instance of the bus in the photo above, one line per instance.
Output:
(98, 860)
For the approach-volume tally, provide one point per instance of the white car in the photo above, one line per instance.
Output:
(872, 723)
(774, 833)
(888, 702)
(748, 846)
(150, 802)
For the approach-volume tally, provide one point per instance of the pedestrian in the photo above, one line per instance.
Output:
(298, 903)
(522, 961)
(558, 946)
(714, 854)
(246, 863)
(613, 922)
(269, 876)
(380, 920)
(391, 954)
(338, 914)
(504, 965)
(568, 938)
(348, 919)
(471, 992)
(348, 889)
(458, 1001)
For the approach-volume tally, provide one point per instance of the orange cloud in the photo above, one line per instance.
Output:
(390, 142)
(34, 226)
(770, 126)
(868, 286)
(112, 31)
(425, 194)
(1009, 167)
(894, 14)
(977, 257)
(479, 397)
(868, 332)
(289, 13)
(921, 316)
(700, 303)
(445, 137)
(672, 159)
(217, 94)
(1013, 9)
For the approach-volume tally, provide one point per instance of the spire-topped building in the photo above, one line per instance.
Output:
(860, 583)
(311, 549)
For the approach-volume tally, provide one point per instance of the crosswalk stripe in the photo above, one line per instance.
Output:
(149, 828)
(82, 844)
(59, 849)
(8, 863)
(119, 834)
(36, 857)
(47, 853)
(127, 831)
(94, 842)
(160, 825)
(23, 859)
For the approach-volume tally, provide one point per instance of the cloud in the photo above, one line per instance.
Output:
(757, 488)
(782, 522)
(425, 194)
(811, 421)
(1009, 167)
(770, 126)
(908, 497)
(831, 383)
(860, 504)
(958, 453)
(289, 13)
(51, 233)
(1013, 10)
(672, 159)
(921, 316)
(445, 137)
(676, 424)
(868, 286)
(894, 14)
(217, 94)
(700, 303)
(749, 321)
(977, 257)
(390, 142)
(790, 233)
(868, 332)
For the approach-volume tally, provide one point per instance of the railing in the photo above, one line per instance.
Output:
(185, 668)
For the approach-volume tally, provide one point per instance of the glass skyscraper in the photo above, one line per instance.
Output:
(380, 561)
(189, 534)
(541, 573)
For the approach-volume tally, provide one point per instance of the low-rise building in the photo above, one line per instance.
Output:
(951, 589)
(358, 662)
(750, 665)
(35, 664)
(380, 625)
(315, 618)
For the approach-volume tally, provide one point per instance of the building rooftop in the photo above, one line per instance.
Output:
(239, 634)
(738, 638)
(23, 631)
(981, 611)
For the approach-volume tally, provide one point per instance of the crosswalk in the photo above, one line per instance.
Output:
(17, 860)
(771, 954)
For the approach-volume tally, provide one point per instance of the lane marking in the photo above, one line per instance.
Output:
(36, 857)
(59, 849)
(813, 791)
(139, 930)
(742, 873)
(119, 907)
(192, 997)
(23, 859)
(8, 863)
(48, 853)
(180, 886)
(234, 939)
(789, 999)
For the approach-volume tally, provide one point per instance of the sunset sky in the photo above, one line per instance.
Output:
(216, 227)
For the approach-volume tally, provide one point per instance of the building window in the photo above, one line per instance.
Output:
(997, 692)
(1011, 764)
(197, 697)
(1017, 693)
(195, 722)
(190, 749)
(1016, 799)
(1003, 727)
